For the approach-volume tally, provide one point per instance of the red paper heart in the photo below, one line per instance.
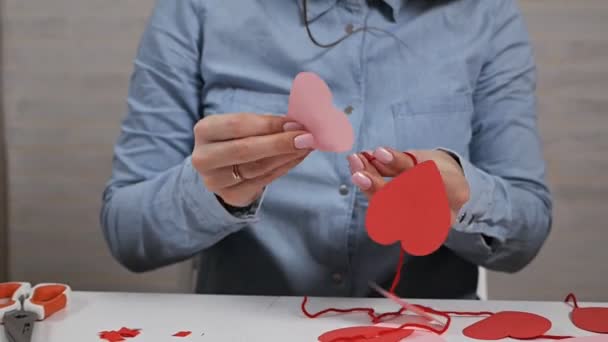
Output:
(591, 319)
(519, 325)
(364, 334)
(311, 104)
(412, 208)
(423, 336)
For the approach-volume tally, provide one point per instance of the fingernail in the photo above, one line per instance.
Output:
(361, 181)
(383, 155)
(355, 163)
(292, 126)
(304, 141)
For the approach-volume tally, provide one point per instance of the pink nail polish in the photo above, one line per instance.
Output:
(384, 155)
(292, 126)
(355, 163)
(362, 181)
(304, 141)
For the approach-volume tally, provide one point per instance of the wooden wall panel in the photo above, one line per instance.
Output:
(3, 179)
(571, 43)
(66, 71)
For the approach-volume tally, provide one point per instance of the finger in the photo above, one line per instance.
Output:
(222, 127)
(227, 153)
(253, 186)
(391, 163)
(365, 158)
(368, 183)
(223, 177)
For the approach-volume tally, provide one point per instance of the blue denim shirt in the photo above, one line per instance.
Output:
(457, 75)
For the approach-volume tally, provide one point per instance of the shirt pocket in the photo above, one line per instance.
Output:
(432, 122)
(249, 101)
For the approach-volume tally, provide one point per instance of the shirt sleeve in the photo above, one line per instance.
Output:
(508, 217)
(156, 209)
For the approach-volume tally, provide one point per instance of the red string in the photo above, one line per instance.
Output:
(398, 271)
(413, 158)
(377, 318)
(548, 337)
(572, 297)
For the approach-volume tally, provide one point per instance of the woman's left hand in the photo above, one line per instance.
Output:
(386, 162)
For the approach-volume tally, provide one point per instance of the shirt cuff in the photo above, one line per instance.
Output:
(207, 208)
(480, 204)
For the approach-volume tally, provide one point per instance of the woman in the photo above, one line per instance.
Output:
(207, 164)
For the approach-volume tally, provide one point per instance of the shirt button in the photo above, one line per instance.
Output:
(348, 110)
(343, 190)
(337, 278)
(349, 28)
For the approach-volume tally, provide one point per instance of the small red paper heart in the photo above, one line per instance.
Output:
(591, 319)
(311, 104)
(364, 334)
(182, 333)
(412, 208)
(514, 324)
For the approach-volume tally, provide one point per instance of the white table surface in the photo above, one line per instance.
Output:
(243, 318)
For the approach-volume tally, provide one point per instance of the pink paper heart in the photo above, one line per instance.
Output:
(311, 104)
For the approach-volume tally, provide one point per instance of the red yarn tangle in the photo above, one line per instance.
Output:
(381, 317)
(374, 333)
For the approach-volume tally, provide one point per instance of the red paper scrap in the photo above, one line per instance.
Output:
(412, 209)
(111, 336)
(365, 333)
(592, 319)
(182, 333)
(126, 332)
(514, 324)
(120, 335)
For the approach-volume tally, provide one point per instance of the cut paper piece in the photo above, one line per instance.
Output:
(126, 332)
(182, 333)
(120, 335)
(598, 338)
(412, 209)
(518, 325)
(365, 333)
(423, 336)
(111, 336)
(311, 104)
(592, 319)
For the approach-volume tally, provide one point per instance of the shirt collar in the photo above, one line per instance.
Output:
(396, 5)
(316, 8)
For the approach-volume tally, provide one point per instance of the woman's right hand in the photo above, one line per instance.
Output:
(263, 148)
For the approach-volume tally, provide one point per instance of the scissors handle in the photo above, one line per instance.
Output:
(46, 299)
(11, 295)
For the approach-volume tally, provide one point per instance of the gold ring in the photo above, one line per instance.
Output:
(235, 173)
